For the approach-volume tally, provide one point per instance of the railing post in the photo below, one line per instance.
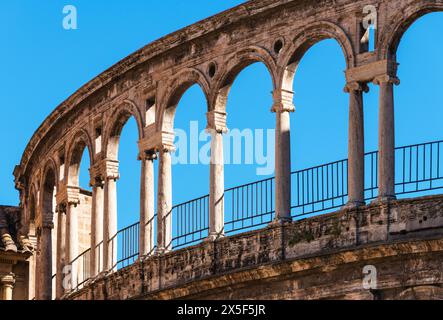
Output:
(146, 245)
(164, 200)
(356, 145)
(96, 254)
(216, 127)
(386, 136)
(282, 107)
(111, 175)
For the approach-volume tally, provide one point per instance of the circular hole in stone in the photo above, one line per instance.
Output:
(212, 69)
(278, 45)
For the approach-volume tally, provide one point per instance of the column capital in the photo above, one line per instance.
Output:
(386, 78)
(283, 101)
(157, 141)
(166, 148)
(47, 225)
(105, 169)
(149, 155)
(216, 121)
(8, 280)
(67, 195)
(356, 86)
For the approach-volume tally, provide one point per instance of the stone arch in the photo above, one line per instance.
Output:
(303, 41)
(81, 141)
(235, 64)
(394, 32)
(47, 191)
(115, 125)
(422, 293)
(175, 91)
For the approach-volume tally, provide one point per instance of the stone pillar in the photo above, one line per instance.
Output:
(147, 199)
(356, 145)
(282, 107)
(96, 255)
(216, 127)
(61, 252)
(8, 282)
(45, 269)
(110, 216)
(72, 241)
(386, 138)
(164, 201)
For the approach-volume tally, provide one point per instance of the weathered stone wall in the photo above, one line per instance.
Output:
(316, 258)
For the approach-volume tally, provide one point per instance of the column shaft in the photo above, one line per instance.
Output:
(96, 258)
(61, 254)
(282, 108)
(8, 282)
(110, 225)
(217, 187)
(386, 136)
(45, 270)
(147, 205)
(72, 242)
(164, 203)
(356, 146)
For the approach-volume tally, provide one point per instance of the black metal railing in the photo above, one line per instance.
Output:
(249, 206)
(124, 245)
(419, 168)
(80, 270)
(190, 222)
(319, 188)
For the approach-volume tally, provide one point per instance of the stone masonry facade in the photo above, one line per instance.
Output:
(316, 258)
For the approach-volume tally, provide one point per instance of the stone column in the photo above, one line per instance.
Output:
(96, 255)
(61, 252)
(356, 145)
(147, 199)
(386, 138)
(282, 107)
(164, 201)
(72, 241)
(45, 270)
(216, 127)
(8, 282)
(110, 216)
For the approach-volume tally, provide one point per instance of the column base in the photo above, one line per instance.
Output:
(214, 237)
(384, 198)
(354, 204)
(161, 251)
(280, 221)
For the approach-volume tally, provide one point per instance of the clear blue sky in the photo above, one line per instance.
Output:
(42, 64)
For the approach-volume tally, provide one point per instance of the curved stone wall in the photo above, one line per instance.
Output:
(148, 86)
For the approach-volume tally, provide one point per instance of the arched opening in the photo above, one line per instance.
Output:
(319, 128)
(418, 111)
(249, 146)
(186, 115)
(47, 238)
(123, 147)
(32, 211)
(79, 215)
